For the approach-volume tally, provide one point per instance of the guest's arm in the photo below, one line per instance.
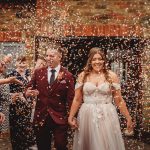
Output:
(10, 80)
(119, 101)
(31, 90)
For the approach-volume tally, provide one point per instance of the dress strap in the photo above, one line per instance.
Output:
(116, 86)
(77, 85)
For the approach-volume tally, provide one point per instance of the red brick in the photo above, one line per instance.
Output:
(40, 4)
(72, 30)
(116, 30)
(69, 30)
(78, 30)
(138, 31)
(59, 4)
(66, 30)
(119, 17)
(125, 30)
(100, 30)
(39, 12)
(122, 4)
(1, 36)
(107, 30)
(95, 30)
(87, 30)
(12, 36)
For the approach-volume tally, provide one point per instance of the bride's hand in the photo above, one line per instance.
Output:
(73, 122)
(130, 125)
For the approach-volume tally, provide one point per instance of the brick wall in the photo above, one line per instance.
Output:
(77, 18)
(60, 18)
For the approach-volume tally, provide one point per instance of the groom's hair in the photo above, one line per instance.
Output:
(55, 47)
(58, 47)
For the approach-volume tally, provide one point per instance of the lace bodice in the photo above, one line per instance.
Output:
(98, 94)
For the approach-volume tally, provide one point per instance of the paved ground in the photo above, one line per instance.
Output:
(131, 144)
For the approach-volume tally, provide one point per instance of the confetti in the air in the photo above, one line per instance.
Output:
(119, 27)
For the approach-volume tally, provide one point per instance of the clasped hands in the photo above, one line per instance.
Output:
(73, 122)
(130, 125)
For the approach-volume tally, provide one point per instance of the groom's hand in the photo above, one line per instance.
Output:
(73, 122)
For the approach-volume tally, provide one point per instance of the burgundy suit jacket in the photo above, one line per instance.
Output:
(52, 99)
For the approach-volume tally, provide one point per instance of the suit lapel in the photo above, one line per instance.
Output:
(56, 83)
(44, 77)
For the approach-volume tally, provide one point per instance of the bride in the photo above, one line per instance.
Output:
(97, 125)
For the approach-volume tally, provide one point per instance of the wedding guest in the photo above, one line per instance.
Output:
(5, 99)
(21, 132)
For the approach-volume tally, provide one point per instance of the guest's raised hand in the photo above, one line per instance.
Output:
(2, 118)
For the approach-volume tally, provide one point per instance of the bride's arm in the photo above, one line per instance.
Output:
(75, 106)
(77, 100)
(119, 101)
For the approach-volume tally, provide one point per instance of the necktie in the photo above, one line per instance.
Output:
(52, 78)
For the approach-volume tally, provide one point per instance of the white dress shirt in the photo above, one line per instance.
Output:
(50, 73)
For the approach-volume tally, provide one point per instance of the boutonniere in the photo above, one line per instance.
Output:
(60, 76)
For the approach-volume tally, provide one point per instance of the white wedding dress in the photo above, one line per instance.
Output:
(99, 127)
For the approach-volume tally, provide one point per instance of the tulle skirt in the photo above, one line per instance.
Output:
(99, 128)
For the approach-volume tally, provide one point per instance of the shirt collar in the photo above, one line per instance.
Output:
(57, 68)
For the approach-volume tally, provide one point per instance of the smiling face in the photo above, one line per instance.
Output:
(21, 65)
(53, 58)
(97, 62)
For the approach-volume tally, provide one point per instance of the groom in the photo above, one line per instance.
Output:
(54, 87)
